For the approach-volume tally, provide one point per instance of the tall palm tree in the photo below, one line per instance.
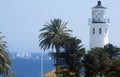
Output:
(52, 34)
(5, 60)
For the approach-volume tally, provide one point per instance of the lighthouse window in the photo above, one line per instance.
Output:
(106, 30)
(93, 30)
(100, 30)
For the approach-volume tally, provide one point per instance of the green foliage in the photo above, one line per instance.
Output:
(64, 72)
(69, 53)
(10, 75)
(96, 62)
(102, 62)
(52, 36)
(73, 52)
(5, 61)
(53, 33)
(112, 50)
(70, 57)
(114, 70)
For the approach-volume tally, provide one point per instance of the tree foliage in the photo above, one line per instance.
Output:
(53, 33)
(96, 62)
(102, 62)
(112, 50)
(5, 61)
(52, 36)
(114, 70)
(70, 57)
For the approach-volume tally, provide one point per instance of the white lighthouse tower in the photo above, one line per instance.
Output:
(98, 26)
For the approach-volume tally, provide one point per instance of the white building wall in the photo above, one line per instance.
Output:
(97, 39)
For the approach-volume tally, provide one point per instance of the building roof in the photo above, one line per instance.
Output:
(50, 74)
(53, 74)
(99, 5)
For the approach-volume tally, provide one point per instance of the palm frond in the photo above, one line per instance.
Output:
(5, 61)
(53, 33)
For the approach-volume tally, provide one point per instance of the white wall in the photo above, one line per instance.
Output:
(97, 39)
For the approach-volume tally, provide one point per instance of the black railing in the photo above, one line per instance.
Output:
(106, 20)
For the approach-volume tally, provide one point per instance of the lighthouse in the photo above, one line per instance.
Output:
(99, 24)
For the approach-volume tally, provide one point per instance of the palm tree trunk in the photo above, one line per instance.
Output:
(57, 58)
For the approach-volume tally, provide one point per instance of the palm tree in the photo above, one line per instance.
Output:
(53, 34)
(5, 61)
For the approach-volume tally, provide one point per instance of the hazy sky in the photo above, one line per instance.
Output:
(21, 20)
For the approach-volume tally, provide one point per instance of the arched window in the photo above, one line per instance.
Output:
(100, 31)
(93, 30)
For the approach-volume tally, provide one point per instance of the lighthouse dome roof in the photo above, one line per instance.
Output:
(99, 5)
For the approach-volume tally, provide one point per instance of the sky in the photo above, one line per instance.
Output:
(21, 20)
